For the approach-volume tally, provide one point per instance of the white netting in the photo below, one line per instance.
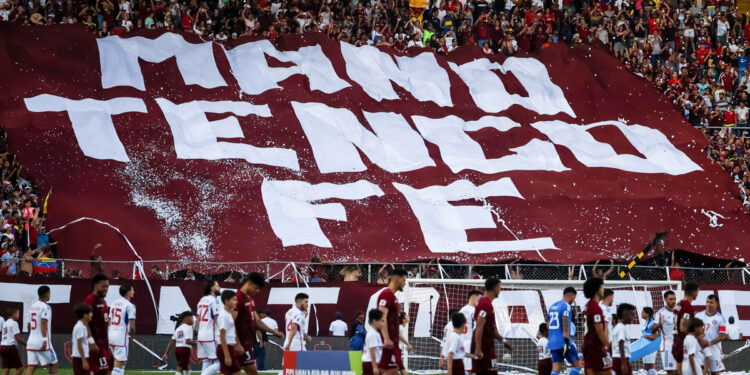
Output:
(519, 310)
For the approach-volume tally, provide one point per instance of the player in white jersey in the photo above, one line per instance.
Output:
(665, 318)
(10, 336)
(607, 311)
(468, 312)
(296, 324)
(79, 340)
(121, 328)
(544, 364)
(373, 348)
(208, 337)
(715, 331)
(39, 347)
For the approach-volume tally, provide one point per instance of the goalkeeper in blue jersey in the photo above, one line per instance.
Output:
(561, 333)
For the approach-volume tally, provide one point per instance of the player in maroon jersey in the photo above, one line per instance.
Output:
(596, 358)
(391, 360)
(684, 312)
(486, 332)
(247, 320)
(100, 360)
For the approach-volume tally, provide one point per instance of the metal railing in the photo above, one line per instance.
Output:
(378, 272)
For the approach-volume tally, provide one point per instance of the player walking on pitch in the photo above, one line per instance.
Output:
(667, 318)
(715, 331)
(597, 360)
(39, 347)
(684, 312)
(121, 328)
(296, 324)
(208, 313)
(8, 350)
(561, 333)
(247, 319)
(390, 361)
(80, 340)
(100, 358)
(486, 332)
(225, 352)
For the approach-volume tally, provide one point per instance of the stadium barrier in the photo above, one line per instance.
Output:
(370, 272)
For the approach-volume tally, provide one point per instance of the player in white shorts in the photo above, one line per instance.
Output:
(468, 311)
(296, 324)
(39, 346)
(205, 323)
(666, 319)
(715, 330)
(121, 328)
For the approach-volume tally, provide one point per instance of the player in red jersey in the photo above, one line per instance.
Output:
(684, 313)
(390, 360)
(247, 320)
(486, 332)
(100, 359)
(596, 358)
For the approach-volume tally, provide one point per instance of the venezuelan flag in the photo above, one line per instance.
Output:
(45, 265)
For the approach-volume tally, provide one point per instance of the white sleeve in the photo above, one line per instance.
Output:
(455, 345)
(220, 323)
(131, 312)
(692, 348)
(79, 333)
(298, 319)
(174, 335)
(45, 313)
(214, 309)
(14, 329)
(330, 327)
(371, 341)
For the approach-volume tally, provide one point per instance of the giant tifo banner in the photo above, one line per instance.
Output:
(518, 312)
(252, 150)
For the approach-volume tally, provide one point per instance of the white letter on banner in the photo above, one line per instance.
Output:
(510, 299)
(490, 95)
(444, 226)
(92, 121)
(250, 67)
(661, 155)
(196, 138)
(334, 132)
(27, 295)
(171, 302)
(730, 300)
(118, 58)
(460, 152)
(295, 220)
(419, 75)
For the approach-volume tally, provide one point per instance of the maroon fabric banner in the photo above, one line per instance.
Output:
(546, 182)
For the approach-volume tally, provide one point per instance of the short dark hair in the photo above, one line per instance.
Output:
(256, 278)
(591, 286)
(458, 320)
(713, 297)
(82, 309)
(668, 293)
(42, 291)
(491, 283)
(12, 310)
(300, 296)
(399, 272)
(474, 293)
(608, 292)
(374, 315)
(185, 314)
(693, 324)
(124, 289)
(624, 307)
(543, 328)
(99, 277)
(570, 289)
(227, 295)
(691, 287)
(207, 285)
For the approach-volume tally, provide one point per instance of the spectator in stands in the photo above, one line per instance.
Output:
(351, 272)
(10, 258)
(357, 339)
(316, 270)
(732, 330)
(383, 274)
(675, 273)
(596, 272)
(515, 272)
(338, 327)
(157, 274)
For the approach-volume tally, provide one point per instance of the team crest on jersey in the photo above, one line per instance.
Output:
(483, 314)
(678, 307)
(382, 302)
(597, 318)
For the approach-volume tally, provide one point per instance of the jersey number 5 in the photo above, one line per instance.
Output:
(33, 321)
